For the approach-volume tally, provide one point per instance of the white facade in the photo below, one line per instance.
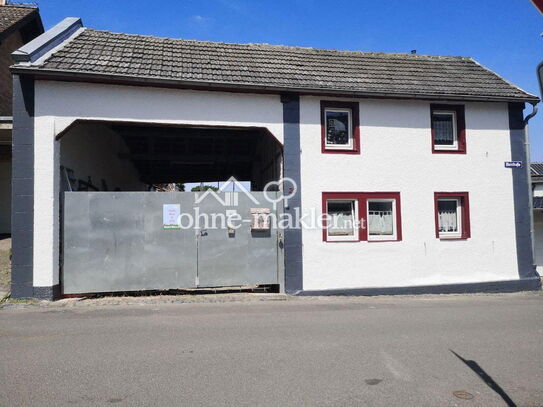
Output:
(59, 104)
(538, 230)
(396, 156)
(538, 237)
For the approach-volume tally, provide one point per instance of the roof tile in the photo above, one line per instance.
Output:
(11, 15)
(102, 52)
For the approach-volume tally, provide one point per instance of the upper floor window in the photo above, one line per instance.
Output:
(340, 127)
(448, 129)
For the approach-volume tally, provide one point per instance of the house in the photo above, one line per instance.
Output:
(537, 188)
(18, 25)
(392, 151)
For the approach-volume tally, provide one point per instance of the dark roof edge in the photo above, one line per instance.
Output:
(78, 76)
(34, 15)
(44, 43)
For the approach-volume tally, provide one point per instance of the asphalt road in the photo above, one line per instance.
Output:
(314, 352)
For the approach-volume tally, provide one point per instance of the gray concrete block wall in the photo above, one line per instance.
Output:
(22, 217)
(293, 237)
(522, 192)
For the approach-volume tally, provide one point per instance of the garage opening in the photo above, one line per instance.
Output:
(120, 182)
(136, 157)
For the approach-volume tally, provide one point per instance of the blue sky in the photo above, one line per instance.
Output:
(503, 35)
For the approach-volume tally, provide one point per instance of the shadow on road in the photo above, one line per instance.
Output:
(473, 365)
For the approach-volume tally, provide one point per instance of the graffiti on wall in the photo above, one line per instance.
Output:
(72, 183)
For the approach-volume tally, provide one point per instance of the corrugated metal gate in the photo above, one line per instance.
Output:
(119, 241)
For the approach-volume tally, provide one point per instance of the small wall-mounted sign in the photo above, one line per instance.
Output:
(513, 164)
(260, 218)
(171, 216)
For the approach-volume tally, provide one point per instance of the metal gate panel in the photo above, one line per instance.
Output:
(245, 258)
(115, 241)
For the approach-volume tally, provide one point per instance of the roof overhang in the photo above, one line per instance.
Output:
(93, 77)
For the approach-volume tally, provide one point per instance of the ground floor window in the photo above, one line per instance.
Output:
(343, 218)
(361, 216)
(381, 219)
(452, 215)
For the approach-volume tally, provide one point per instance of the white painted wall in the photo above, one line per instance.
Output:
(538, 237)
(91, 150)
(538, 191)
(58, 104)
(396, 156)
(5, 197)
(146, 104)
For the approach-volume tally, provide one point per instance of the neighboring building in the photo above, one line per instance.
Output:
(537, 188)
(396, 149)
(18, 25)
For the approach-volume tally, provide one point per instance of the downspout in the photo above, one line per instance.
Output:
(529, 173)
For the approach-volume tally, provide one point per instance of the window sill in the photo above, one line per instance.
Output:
(341, 241)
(381, 241)
(339, 151)
(453, 238)
(434, 151)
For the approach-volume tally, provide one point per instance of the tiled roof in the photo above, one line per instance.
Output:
(95, 52)
(537, 169)
(11, 15)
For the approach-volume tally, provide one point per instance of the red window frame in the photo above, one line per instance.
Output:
(460, 127)
(355, 118)
(362, 199)
(464, 207)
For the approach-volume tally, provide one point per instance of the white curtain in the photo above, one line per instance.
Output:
(341, 224)
(380, 222)
(443, 132)
(448, 221)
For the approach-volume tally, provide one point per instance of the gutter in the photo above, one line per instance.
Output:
(529, 172)
(86, 76)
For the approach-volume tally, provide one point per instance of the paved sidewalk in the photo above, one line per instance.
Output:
(453, 350)
(130, 300)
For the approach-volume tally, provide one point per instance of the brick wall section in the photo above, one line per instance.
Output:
(7, 46)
